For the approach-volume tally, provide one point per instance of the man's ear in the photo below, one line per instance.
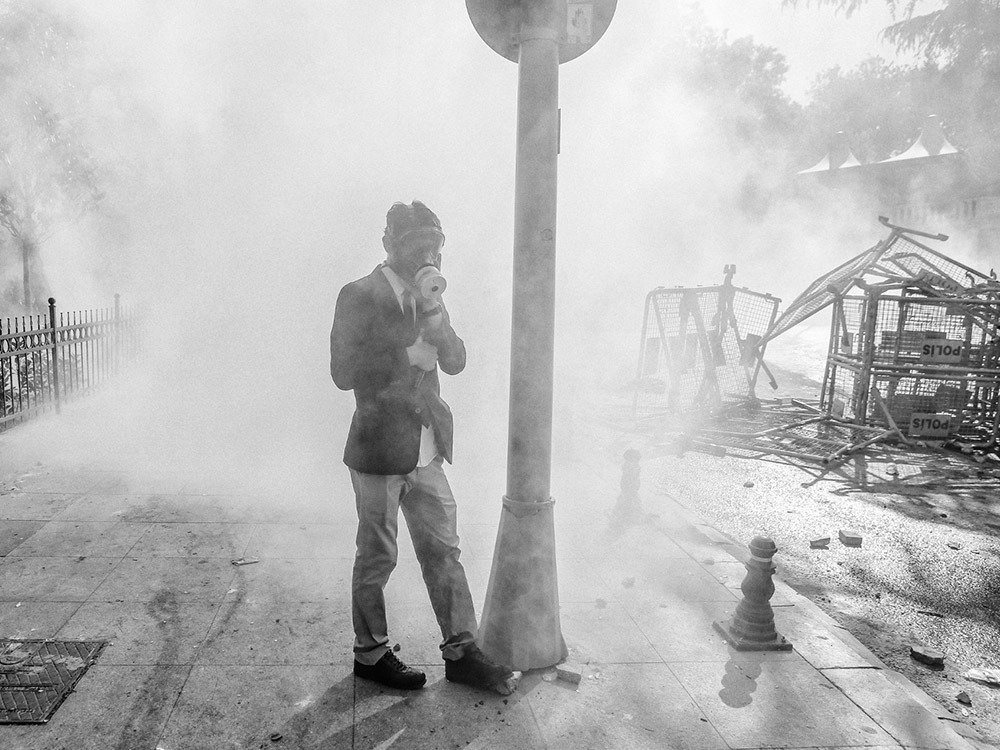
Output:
(386, 243)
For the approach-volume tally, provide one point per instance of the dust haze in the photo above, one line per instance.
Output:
(259, 146)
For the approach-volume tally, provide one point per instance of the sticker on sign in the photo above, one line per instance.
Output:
(930, 425)
(579, 22)
(941, 350)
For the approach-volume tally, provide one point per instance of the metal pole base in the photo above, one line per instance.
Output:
(520, 622)
(742, 643)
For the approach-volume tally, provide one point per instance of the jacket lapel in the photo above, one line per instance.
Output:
(384, 295)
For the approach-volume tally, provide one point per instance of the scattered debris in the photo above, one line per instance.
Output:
(850, 538)
(244, 561)
(930, 656)
(803, 435)
(822, 542)
(954, 545)
(396, 647)
(550, 676)
(964, 698)
(276, 736)
(748, 484)
(929, 613)
(989, 676)
(569, 673)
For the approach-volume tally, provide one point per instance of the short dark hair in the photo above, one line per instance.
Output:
(402, 219)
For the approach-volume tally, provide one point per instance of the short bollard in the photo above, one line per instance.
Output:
(628, 509)
(751, 627)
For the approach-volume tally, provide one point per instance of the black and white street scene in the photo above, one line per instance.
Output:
(499, 374)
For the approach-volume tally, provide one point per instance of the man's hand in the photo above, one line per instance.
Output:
(422, 354)
(431, 314)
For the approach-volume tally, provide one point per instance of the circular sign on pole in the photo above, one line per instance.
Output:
(580, 23)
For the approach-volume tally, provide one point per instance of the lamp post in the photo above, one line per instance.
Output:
(520, 620)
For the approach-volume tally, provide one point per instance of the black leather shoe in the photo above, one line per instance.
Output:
(475, 668)
(391, 672)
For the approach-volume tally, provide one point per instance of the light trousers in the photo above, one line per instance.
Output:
(430, 512)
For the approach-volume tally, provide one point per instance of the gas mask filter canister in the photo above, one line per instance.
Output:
(430, 283)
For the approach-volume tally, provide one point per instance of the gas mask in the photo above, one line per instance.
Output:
(430, 285)
(417, 261)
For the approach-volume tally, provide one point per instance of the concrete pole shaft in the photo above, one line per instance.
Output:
(520, 622)
(529, 447)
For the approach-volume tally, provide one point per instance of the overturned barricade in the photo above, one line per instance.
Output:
(914, 355)
(913, 341)
(701, 347)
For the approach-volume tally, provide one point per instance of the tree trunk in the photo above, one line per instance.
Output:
(33, 278)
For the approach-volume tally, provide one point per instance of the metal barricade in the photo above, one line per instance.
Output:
(700, 347)
(911, 357)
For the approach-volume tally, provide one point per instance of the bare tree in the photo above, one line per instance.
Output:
(46, 174)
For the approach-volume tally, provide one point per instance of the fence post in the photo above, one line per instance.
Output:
(55, 350)
(118, 357)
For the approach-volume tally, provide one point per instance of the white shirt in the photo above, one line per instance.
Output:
(428, 445)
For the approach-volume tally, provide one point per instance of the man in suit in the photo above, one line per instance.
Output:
(387, 345)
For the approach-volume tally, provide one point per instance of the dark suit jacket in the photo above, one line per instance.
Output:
(368, 355)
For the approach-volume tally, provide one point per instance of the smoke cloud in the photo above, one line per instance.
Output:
(253, 149)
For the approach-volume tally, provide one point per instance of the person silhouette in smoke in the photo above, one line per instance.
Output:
(391, 333)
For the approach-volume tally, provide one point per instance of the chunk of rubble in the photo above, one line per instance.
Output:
(849, 538)
(569, 672)
(964, 698)
(820, 542)
(927, 655)
(989, 676)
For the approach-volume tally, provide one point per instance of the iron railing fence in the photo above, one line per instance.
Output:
(49, 358)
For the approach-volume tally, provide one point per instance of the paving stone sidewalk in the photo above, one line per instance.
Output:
(205, 654)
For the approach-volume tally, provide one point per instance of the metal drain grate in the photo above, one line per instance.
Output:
(36, 676)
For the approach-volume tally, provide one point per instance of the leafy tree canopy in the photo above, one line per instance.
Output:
(881, 105)
(740, 81)
(952, 33)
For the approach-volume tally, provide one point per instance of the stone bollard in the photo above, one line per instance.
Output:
(751, 627)
(628, 509)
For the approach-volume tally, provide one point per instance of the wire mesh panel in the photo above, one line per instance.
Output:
(824, 290)
(906, 258)
(699, 347)
(895, 258)
(928, 364)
